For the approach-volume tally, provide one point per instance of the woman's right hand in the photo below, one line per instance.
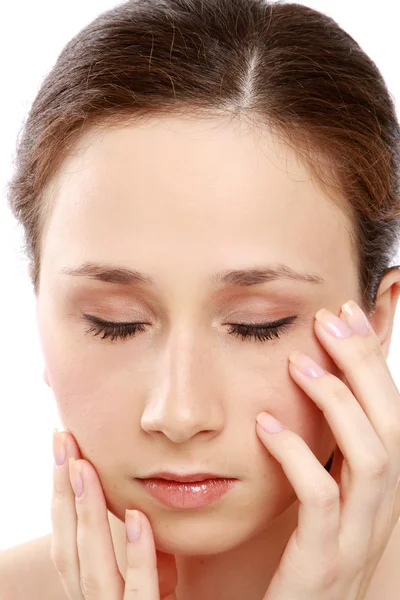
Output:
(82, 549)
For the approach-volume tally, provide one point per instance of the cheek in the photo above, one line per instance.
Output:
(306, 419)
(288, 402)
(271, 388)
(76, 369)
(83, 388)
(94, 396)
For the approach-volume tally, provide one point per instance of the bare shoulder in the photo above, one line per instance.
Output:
(386, 580)
(27, 571)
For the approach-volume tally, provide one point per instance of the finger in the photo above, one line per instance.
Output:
(358, 442)
(141, 579)
(361, 359)
(100, 577)
(374, 386)
(64, 551)
(314, 549)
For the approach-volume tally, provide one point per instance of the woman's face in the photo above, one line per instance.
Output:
(180, 201)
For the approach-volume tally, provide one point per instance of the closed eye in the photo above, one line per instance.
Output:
(115, 330)
(260, 332)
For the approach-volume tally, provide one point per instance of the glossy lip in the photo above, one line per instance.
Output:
(184, 478)
(187, 495)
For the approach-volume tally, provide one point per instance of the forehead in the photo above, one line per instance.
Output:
(184, 186)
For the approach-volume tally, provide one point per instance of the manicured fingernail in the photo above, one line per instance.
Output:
(306, 364)
(356, 318)
(269, 423)
(132, 519)
(59, 450)
(76, 477)
(332, 324)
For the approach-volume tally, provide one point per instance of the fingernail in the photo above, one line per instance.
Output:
(356, 318)
(332, 324)
(269, 423)
(306, 364)
(59, 450)
(76, 477)
(132, 519)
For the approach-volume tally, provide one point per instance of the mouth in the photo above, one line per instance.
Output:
(193, 490)
(185, 478)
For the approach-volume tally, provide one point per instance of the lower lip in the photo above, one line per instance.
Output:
(197, 494)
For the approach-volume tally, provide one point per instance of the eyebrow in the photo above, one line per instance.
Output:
(236, 277)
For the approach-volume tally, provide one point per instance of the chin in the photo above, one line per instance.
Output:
(197, 534)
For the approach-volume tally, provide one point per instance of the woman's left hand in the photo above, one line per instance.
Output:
(346, 516)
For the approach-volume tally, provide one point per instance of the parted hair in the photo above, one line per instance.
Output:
(279, 65)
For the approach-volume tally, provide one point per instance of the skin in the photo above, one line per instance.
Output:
(199, 197)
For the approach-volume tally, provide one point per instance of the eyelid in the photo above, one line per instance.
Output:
(246, 331)
(102, 321)
(277, 323)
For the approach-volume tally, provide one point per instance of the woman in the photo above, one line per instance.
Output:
(196, 181)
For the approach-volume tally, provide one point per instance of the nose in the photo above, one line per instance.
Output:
(186, 400)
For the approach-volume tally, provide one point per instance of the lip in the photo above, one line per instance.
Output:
(183, 478)
(186, 494)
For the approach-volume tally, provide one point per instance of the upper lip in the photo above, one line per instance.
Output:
(187, 477)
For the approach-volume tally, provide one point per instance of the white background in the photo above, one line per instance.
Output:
(33, 35)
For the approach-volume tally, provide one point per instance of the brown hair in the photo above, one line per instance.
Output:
(281, 65)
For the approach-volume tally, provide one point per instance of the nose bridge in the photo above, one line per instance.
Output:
(186, 400)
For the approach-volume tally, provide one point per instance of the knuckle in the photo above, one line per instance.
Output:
(376, 466)
(62, 563)
(365, 353)
(132, 590)
(330, 575)
(325, 495)
(90, 588)
(339, 392)
(86, 517)
(58, 486)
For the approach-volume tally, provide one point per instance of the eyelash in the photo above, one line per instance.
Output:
(259, 333)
